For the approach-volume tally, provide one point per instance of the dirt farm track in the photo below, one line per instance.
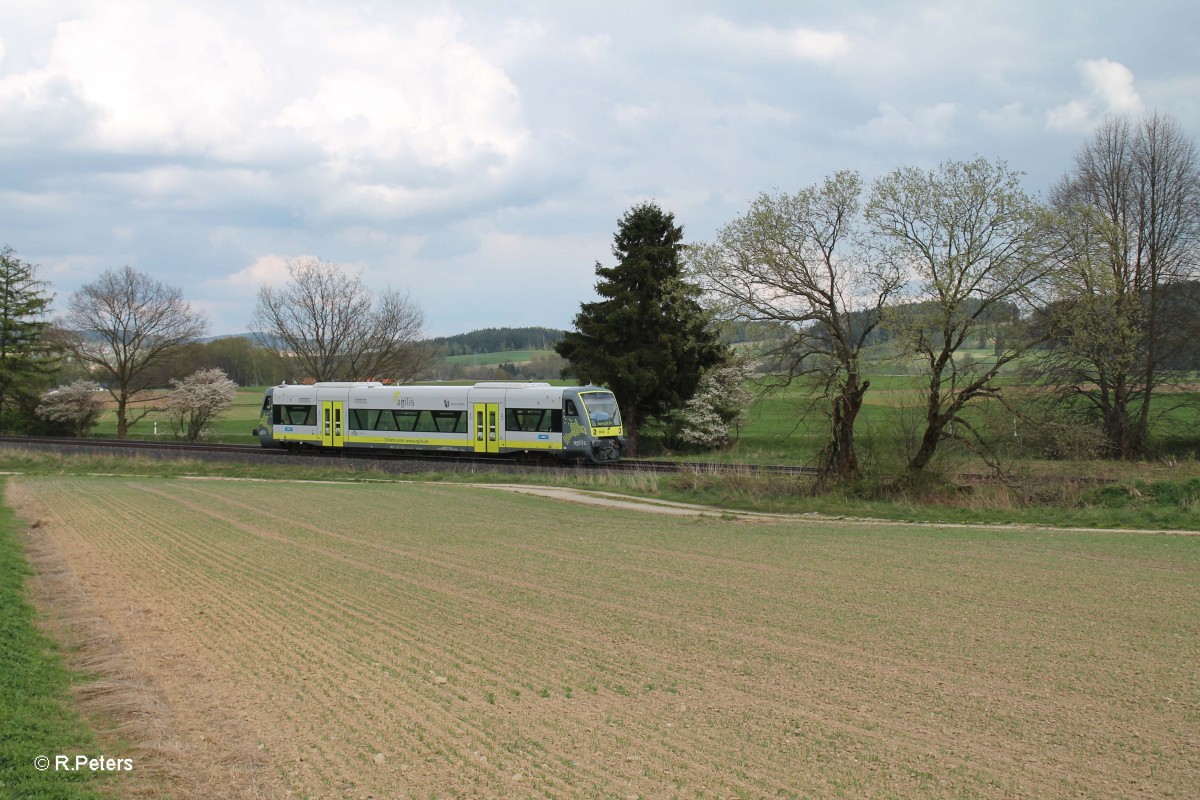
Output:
(288, 640)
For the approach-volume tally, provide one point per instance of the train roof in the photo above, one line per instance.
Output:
(427, 387)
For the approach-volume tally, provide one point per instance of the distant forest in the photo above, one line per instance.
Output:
(499, 340)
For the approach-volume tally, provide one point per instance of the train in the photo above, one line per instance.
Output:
(517, 419)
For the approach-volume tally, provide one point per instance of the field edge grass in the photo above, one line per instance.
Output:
(1134, 505)
(40, 718)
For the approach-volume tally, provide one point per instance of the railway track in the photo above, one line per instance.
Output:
(408, 462)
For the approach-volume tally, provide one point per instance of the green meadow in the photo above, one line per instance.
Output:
(492, 359)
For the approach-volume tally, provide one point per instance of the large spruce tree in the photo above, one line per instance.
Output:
(28, 357)
(646, 339)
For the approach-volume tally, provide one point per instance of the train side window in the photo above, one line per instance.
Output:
(406, 420)
(450, 421)
(522, 419)
(540, 420)
(569, 408)
(294, 415)
(425, 422)
(386, 422)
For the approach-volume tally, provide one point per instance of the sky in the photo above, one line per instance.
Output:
(479, 155)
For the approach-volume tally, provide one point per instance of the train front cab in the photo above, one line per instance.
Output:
(592, 426)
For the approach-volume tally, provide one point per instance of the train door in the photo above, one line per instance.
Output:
(332, 428)
(487, 427)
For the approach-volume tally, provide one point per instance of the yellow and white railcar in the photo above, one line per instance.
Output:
(567, 422)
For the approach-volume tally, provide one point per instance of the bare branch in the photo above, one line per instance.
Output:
(801, 261)
(330, 326)
(126, 324)
(978, 249)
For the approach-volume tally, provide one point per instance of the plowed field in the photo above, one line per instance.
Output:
(442, 641)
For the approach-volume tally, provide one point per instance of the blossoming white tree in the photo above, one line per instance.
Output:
(77, 406)
(719, 404)
(197, 400)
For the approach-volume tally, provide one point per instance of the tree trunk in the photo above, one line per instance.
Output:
(122, 423)
(629, 418)
(929, 443)
(842, 462)
(1122, 438)
(935, 421)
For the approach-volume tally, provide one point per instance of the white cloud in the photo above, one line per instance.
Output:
(421, 95)
(931, 126)
(1010, 118)
(330, 116)
(178, 82)
(205, 80)
(799, 43)
(1076, 115)
(1111, 90)
(269, 270)
(1112, 83)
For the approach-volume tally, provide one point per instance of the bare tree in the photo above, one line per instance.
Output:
(330, 326)
(1131, 241)
(197, 400)
(975, 246)
(125, 325)
(801, 261)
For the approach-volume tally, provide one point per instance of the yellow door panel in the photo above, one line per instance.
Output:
(479, 427)
(493, 416)
(333, 433)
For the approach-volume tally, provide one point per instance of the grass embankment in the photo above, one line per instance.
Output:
(1163, 504)
(37, 718)
(1157, 500)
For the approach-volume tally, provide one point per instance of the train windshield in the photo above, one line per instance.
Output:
(601, 408)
